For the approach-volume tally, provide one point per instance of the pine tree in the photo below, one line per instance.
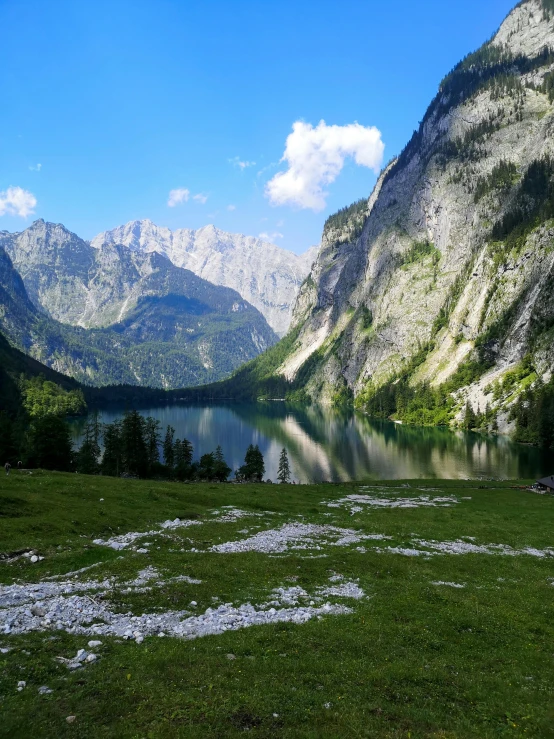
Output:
(112, 459)
(153, 439)
(87, 459)
(169, 452)
(283, 475)
(183, 452)
(50, 444)
(253, 469)
(221, 468)
(133, 443)
(469, 417)
(206, 468)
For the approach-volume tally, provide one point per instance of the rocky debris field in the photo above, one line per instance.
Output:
(183, 587)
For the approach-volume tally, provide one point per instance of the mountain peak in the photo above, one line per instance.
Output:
(265, 275)
(528, 29)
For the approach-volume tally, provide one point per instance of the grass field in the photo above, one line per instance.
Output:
(415, 623)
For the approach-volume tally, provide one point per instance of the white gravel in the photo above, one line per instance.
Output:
(429, 548)
(356, 503)
(40, 594)
(231, 514)
(80, 614)
(296, 536)
(122, 541)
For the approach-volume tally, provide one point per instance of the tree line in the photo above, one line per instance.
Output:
(133, 446)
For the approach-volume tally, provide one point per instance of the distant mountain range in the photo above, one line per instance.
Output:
(110, 314)
(265, 275)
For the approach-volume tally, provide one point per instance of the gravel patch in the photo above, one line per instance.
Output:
(40, 595)
(424, 548)
(80, 614)
(357, 503)
(295, 536)
(125, 540)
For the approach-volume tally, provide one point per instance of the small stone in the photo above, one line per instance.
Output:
(71, 719)
(231, 656)
(275, 715)
(44, 690)
(34, 559)
(139, 639)
(93, 643)
(193, 603)
(90, 658)
(21, 684)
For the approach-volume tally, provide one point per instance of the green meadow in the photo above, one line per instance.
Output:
(442, 644)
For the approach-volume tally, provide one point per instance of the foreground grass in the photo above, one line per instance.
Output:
(412, 659)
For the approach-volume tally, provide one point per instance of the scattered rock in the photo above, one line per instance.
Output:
(21, 684)
(44, 690)
(94, 643)
(70, 719)
(231, 656)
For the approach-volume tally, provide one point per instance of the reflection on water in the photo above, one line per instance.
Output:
(339, 445)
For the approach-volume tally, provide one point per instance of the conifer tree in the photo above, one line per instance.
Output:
(183, 452)
(253, 469)
(169, 452)
(133, 444)
(283, 475)
(50, 444)
(112, 459)
(152, 439)
(87, 459)
(221, 468)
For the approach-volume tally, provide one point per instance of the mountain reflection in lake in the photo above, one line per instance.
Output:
(341, 445)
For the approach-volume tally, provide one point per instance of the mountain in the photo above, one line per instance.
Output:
(162, 326)
(435, 297)
(263, 274)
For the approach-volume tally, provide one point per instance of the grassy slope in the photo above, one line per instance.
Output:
(412, 660)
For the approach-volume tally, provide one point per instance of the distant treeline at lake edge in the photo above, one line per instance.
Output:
(130, 447)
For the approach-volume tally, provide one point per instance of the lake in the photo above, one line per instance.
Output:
(341, 445)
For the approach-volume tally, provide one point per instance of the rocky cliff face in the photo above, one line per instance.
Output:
(265, 275)
(109, 315)
(451, 261)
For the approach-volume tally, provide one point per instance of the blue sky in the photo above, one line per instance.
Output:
(122, 102)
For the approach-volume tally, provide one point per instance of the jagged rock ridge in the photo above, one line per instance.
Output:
(154, 323)
(265, 275)
(454, 260)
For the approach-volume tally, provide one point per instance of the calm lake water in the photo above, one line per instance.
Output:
(337, 445)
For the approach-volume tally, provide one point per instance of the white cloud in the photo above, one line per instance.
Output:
(231, 207)
(36, 167)
(201, 198)
(180, 195)
(242, 165)
(315, 157)
(15, 201)
(270, 237)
